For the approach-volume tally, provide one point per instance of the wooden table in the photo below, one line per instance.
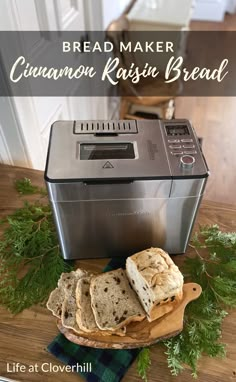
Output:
(24, 338)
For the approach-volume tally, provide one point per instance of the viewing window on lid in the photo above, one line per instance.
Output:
(91, 151)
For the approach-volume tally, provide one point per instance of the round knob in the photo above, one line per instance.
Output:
(187, 161)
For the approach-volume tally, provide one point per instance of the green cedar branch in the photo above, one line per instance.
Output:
(25, 187)
(215, 271)
(30, 259)
(214, 268)
(143, 363)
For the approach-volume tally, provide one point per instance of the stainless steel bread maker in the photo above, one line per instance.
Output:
(117, 187)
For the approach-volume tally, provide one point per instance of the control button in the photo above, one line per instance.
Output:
(173, 140)
(188, 146)
(175, 146)
(187, 161)
(177, 152)
(186, 140)
(190, 152)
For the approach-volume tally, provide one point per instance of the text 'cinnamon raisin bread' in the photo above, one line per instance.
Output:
(156, 280)
(113, 301)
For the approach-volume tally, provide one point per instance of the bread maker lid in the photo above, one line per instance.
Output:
(134, 150)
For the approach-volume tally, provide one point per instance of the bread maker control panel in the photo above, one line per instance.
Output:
(182, 145)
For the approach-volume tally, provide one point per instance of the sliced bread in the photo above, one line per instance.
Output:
(68, 317)
(156, 280)
(68, 281)
(66, 287)
(84, 315)
(113, 301)
(55, 302)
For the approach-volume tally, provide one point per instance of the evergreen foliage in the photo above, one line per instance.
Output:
(143, 363)
(30, 260)
(214, 268)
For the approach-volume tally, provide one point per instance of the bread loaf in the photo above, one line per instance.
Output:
(113, 301)
(156, 280)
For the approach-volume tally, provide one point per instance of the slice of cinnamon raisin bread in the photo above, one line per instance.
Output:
(55, 302)
(156, 280)
(84, 315)
(68, 316)
(66, 287)
(113, 301)
(68, 281)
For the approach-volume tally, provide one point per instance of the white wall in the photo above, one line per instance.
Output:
(231, 6)
(210, 10)
(112, 9)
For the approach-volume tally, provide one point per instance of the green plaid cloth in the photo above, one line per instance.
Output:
(107, 365)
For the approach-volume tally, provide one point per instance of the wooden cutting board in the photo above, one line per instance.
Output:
(139, 334)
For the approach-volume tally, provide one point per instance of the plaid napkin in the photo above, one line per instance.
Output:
(107, 365)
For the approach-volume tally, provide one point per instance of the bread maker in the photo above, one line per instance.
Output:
(120, 186)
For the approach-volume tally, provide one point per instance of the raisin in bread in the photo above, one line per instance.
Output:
(113, 301)
(156, 280)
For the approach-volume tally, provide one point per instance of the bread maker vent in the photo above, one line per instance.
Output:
(101, 127)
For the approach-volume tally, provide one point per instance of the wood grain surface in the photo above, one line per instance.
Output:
(24, 338)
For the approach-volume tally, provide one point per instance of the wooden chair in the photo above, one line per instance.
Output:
(144, 93)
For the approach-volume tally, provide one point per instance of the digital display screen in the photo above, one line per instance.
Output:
(91, 151)
(174, 130)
